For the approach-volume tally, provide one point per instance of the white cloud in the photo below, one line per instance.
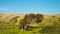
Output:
(3, 9)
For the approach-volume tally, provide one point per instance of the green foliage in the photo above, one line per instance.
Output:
(9, 27)
(50, 25)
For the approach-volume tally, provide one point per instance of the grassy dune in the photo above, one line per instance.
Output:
(49, 25)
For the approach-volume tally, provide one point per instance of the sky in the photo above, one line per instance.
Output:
(29, 6)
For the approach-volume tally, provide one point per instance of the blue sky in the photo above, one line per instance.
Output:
(29, 6)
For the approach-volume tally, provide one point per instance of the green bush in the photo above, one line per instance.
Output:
(53, 26)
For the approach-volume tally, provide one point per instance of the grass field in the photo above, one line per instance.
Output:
(49, 25)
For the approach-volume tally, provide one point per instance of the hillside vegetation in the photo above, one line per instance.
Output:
(10, 24)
